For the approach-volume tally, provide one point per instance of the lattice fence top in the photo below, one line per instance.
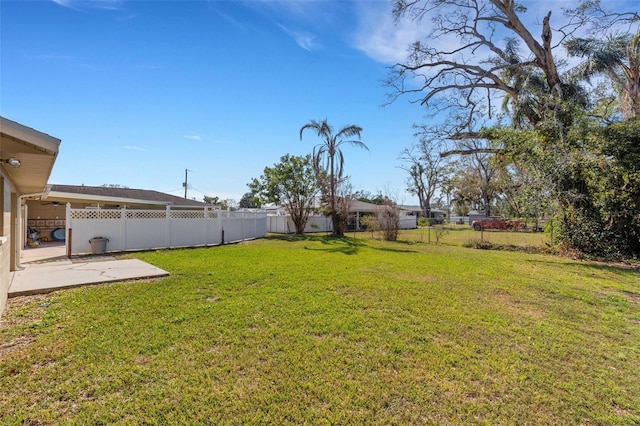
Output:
(95, 214)
(161, 214)
(187, 214)
(146, 214)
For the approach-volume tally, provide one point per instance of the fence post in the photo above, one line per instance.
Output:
(205, 225)
(69, 246)
(123, 229)
(244, 217)
(167, 240)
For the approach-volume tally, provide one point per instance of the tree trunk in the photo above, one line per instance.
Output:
(335, 219)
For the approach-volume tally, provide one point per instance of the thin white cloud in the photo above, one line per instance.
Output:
(133, 148)
(380, 37)
(64, 3)
(304, 11)
(193, 137)
(91, 4)
(295, 18)
(305, 40)
(231, 20)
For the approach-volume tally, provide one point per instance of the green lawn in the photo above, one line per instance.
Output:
(463, 234)
(324, 331)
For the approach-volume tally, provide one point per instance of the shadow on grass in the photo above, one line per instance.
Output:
(620, 269)
(299, 237)
(393, 250)
(346, 245)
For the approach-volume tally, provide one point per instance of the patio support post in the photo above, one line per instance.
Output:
(68, 230)
(19, 237)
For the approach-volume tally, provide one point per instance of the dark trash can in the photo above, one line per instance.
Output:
(98, 245)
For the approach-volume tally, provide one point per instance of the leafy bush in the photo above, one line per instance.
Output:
(585, 230)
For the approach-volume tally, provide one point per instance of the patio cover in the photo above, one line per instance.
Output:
(36, 151)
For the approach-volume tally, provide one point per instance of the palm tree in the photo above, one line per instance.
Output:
(328, 158)
(617, 57)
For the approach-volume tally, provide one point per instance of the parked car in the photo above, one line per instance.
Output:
(497, 222)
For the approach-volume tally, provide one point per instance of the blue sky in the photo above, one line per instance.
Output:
(139, 91)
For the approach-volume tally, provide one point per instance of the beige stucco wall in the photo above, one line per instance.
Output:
(5, 241)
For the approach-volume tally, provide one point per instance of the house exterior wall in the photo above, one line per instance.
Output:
(6, 240)
(36, 152)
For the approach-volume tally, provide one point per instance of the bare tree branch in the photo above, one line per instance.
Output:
(471, 151)
(480, 67)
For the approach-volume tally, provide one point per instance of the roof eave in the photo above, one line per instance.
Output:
(102, 198)
(36, 152)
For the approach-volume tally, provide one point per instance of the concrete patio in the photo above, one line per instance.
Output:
(47, 269)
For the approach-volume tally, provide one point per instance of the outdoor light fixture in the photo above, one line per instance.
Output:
(14, 162)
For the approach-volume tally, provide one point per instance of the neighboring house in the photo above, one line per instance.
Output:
(27, 157)
(81, 196)
(358, 209)
(436, 216)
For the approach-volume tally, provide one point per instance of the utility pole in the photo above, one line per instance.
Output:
(185, 183)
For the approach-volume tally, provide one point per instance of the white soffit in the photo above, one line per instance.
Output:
(36, 151)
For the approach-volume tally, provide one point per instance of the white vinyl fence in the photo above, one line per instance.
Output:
(282, 224)
(407, 222)
(129, 230)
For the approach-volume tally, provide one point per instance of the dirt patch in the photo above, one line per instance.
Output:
(14, 344)
(23, 309)
(631, 297)
(20, 311)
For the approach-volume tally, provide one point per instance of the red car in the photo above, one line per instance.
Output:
(496, 222)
